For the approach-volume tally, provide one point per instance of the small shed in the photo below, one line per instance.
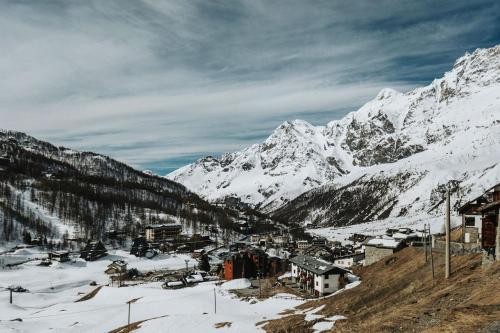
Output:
(61, 256)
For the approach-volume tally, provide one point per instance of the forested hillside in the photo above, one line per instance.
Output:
(55, 192)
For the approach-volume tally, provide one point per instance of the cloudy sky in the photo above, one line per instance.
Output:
(158, 84)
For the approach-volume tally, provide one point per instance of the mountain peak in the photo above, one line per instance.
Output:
(387, 93)
(394, 126)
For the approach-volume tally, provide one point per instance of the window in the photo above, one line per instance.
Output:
(470, 221)
(327, 285)
(317, 284)
(326, 276)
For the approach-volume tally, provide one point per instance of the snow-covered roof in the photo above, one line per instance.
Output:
(386, 242)
(399, 235)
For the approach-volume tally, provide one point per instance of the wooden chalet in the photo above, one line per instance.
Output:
(116, 267)
(139, 247)
(93, 251)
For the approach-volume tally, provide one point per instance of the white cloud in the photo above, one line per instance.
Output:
(153, 80)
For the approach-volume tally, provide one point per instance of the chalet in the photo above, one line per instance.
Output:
(116, 270)
(349, 260)
(481, 222)
(380, 247)
(317, 276)
(93, 251)
(61, 256)
(139, 247)
(116, 267)
(162, 232)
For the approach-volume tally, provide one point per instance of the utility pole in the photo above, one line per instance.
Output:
(215, 302)
(260, 286)
(129, 303)
(10, 289)
(425, 241)
(187, 267)
(432, 257)
(447, 227)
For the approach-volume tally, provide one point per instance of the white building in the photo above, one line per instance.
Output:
(317, 276)
(349, 260)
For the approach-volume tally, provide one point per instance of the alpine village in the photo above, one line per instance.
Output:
(383, 218)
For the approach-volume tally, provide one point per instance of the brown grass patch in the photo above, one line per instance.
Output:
(90, 295)
(399, 295)
(133, 326)
(223, 324)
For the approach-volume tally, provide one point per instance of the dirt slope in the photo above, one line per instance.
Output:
(398, 294)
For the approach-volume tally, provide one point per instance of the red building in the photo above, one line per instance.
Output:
(252, 263)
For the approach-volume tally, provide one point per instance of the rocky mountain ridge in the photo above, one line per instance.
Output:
(426, 131)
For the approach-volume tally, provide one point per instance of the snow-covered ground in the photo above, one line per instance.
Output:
(50, 306)
(379, 227)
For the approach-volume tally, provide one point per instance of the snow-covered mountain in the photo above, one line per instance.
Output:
(412, 142)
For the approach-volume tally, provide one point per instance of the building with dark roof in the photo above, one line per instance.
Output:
(317, 276)
(93, 251)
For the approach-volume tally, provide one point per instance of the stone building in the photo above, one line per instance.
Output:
(378, 248)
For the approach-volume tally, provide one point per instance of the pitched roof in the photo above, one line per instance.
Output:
(316, 266)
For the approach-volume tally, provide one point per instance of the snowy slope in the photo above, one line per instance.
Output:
(50, 305)
(446, 130)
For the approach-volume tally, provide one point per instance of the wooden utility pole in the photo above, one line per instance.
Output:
(129, 303)
(10, 289)
(424, 233)
(447, 227)
(432, 257)
(215, 302)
